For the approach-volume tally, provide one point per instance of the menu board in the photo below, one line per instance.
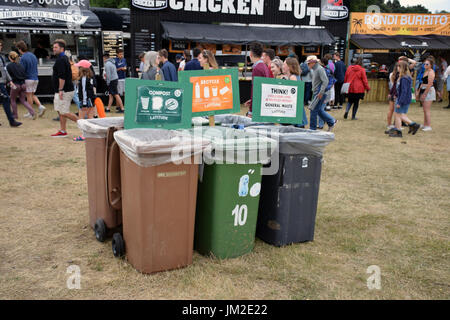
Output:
(179, 46)
(311, 50)
(284, 50)
(277, 101)
(112, 41)
(157, 104)
(212, 91)
(231, 49)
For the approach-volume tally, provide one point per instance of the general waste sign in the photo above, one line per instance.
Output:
(156, 104)
(278, 101)
(213, 91)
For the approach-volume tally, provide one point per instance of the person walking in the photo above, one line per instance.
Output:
(207, 60)
(356, 76)
(260, 69)
(121, 65)
(4, 95)
(441, 78)
(320, 82)
(151, 69)
(186, 59)
(306, 77)
(427, 93)
(447, 79)
(112, 80)
(268, 56)
(291, 68)
(331, 69)
(85, 93)
(167, 68)
(277, 69)
(402, 101)
(339, 74)
(393, 78)
(194, 64)
(63, 87)
(30, 63)
(18, 88)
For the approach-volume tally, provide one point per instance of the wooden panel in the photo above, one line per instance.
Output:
(378, 90)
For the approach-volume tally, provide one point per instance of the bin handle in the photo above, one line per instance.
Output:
(281, 179)
(113, 188)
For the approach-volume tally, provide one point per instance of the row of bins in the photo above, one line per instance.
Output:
(176, 191)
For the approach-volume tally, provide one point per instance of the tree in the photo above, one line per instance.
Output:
(110, 3)
(391, 6)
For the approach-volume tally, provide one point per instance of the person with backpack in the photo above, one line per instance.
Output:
(339, 74)
(85, 92)
(306, 77)
(356, 76)
(75, 76)
(18, 87)
(291, 68)
(320, 88)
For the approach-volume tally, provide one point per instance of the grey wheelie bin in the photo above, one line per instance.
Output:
(103, 174)
(288, 202)
(235, 121)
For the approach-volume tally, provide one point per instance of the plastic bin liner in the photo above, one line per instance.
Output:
(200, 121)
(153, 147)
(294, 140)
(233, 146)
(228, 120)
(97, 128)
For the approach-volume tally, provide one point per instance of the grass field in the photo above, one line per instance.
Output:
(383, 201)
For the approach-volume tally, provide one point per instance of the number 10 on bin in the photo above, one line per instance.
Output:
(240, 215)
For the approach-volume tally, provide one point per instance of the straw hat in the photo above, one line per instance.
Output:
(311, 59)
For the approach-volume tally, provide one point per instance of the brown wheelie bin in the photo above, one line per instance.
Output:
(158, 199)
(103, 174)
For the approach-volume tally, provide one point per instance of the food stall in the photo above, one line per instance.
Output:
(381, 38)
(228, 27)
(39, 23)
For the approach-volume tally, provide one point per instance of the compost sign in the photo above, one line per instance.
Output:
(279, 101)
(156, 104)
(213, 91)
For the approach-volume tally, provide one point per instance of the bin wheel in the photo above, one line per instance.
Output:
(118, 245)
(100, 230)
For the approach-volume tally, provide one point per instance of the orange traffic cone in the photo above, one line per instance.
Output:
(100, 107)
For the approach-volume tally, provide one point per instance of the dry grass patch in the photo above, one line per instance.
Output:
(382, 202)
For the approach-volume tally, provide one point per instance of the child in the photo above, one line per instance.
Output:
(86, 95)
(402, 101)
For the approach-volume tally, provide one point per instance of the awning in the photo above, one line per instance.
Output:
(229, 34)
(11, 16)
(401, 42)
(113, 19)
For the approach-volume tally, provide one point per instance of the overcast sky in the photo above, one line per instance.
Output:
(431, 5)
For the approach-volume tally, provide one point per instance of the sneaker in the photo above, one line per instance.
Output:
(333, 126)
(346, 115)
(41, 110)
(447, 107)
(60, 134)
(79, 138)
(107, 110)
(28, 116)
(120, 111)
(427, 129)
(355, 118)
(389, 129)
(56, 119)
(328, 108)
(414, 128)
(395, 134)
(15, 124)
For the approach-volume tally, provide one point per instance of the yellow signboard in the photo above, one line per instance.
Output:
(393, 24)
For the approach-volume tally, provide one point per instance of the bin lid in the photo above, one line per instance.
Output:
(153, 147)
(98, 128)
(235, 146)
(294, 140)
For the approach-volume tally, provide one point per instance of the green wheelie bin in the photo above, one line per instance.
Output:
(228, 191)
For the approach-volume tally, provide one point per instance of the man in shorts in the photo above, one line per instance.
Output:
(121, 65)
(112, 80)
(63, 87)
(30, 64)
